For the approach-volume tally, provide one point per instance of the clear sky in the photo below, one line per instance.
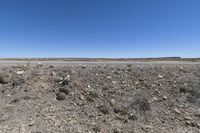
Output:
(99, 28)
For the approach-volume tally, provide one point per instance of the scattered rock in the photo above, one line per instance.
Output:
(160, 76)
(132, 117)
(112, 102)
(116, 130)
(53, 74)
(64, 90)
(61, 96)
(20, 72)
(51, 66)
(5, 78)
(147, 128)
(39, 64)
(197, 113)
(96, 128)
(31, 122)
(177, 111)
(109, 77)
(117, 109)
(192, 124)
(188, 118)
(187, 122)
(164, 97)
(155, 98)
(83, 66)
(15, 100)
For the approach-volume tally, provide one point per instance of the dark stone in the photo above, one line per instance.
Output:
(64, 90)
(61, 96)
(5, 78)
(132, 117)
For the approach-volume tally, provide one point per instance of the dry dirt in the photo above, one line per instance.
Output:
(100, 98)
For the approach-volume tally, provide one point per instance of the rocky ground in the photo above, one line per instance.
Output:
(100, 98)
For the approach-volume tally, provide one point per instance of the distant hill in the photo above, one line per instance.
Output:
(103, 59)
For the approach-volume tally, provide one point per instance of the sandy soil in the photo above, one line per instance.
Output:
(99, 97)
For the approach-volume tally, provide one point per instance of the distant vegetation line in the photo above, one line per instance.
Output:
(103, 59)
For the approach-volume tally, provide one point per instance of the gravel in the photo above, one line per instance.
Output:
(100, 97)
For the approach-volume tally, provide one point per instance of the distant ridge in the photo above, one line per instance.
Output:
(103, 59)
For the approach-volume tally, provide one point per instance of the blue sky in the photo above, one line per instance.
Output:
(99, 28)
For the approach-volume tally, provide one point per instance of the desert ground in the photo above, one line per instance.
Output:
(99, 97)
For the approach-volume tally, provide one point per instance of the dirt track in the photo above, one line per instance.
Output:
(99, 97)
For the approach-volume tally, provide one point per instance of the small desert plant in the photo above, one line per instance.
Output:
(140, 104)
(122, 110)
(91, 96)
(104, 109)
(183, 88)
(129, 65)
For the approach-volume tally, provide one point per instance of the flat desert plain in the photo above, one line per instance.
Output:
(99, 97)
